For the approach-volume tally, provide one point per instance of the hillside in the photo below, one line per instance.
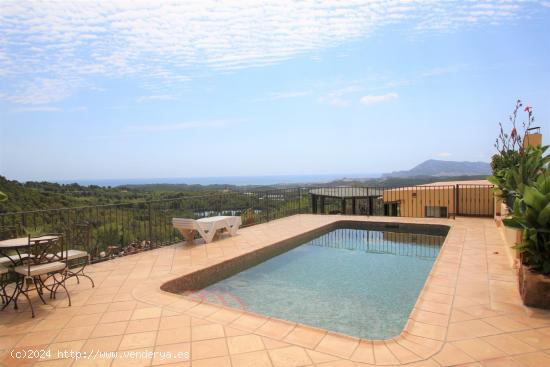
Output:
(47, 195)
(439, 168)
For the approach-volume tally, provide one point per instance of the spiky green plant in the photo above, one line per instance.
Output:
(532, 214)
(522, 171)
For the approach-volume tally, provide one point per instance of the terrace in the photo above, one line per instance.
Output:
(468, 312)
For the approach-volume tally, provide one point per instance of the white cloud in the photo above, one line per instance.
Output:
(198, 124)
(443, 155)
(340, 97)
(285, 95)
(38, 109)
(161, 97)
(376, 99)
(163, 44)
(338, 102)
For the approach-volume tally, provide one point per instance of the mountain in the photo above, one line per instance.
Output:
(437, 168)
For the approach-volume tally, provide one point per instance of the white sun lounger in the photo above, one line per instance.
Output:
(206, 227)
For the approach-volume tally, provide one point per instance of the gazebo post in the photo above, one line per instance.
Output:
(343, 206)
(371, 204)
(313, 204)
(322, 204)
(353, 205)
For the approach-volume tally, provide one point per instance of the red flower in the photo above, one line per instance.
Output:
(527, 108)
(514, 132)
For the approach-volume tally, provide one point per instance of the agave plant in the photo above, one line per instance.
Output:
(532, 214)
(3, 197)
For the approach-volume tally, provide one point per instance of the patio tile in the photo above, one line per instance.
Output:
(203, 332)
(252, 359)
(171, 336)
(133, 358)
(305, 336)
(289, 357)
(62, 350)
(146, 313)
(508, 344)
(121, 306)
(138, 326)
(501, 362)
(382, 354)
(9, 341)
(109, 329)
(275, 329)
(338, 363)
(504, 323)
(537, 359)
(203, 310)
(533, 338)
(76, 333)
(426, 330)
(84, 320)
(479, 349)
(104, 344)
(402, 354)
(338, 345)
(50, 324)
(488, 324)
(224, 316)
(425, 363)
(248, 322)
(318, 357)
(138, 340)
(421, 350)
(230, 331)
(431, 318)
(364, 353)
(213, 362)
(115, 316)
(172, 322)
(54, 363)
(451, 356)
(470, 329)
(244, 344)
(179, 352)
(272, 343)
(38, 338)
(209, 348)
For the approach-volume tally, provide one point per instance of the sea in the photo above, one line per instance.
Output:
(222, 180)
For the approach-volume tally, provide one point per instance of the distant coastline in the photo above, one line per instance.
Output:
(222, 180)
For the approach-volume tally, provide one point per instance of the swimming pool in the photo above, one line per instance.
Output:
(359, 279)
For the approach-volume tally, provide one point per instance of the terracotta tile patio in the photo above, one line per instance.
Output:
(469, 313)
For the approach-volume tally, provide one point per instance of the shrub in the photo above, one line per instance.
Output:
(532, 214)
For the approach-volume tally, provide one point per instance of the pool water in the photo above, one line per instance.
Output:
(362, 283)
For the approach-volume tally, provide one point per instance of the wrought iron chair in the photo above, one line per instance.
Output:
(41, 267)
(7, 262)
(4, 280)
(78, 254)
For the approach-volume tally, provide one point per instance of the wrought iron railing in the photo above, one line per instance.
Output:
(147, 224)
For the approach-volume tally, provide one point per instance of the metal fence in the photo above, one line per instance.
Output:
(118, 225)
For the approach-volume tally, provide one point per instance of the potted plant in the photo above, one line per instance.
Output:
(531, 214)
(514, 166)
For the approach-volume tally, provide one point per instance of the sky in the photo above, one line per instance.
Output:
(137, 89)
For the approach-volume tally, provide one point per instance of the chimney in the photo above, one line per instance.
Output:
(532, 137)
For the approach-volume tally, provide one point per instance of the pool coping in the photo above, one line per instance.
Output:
(428, 339)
